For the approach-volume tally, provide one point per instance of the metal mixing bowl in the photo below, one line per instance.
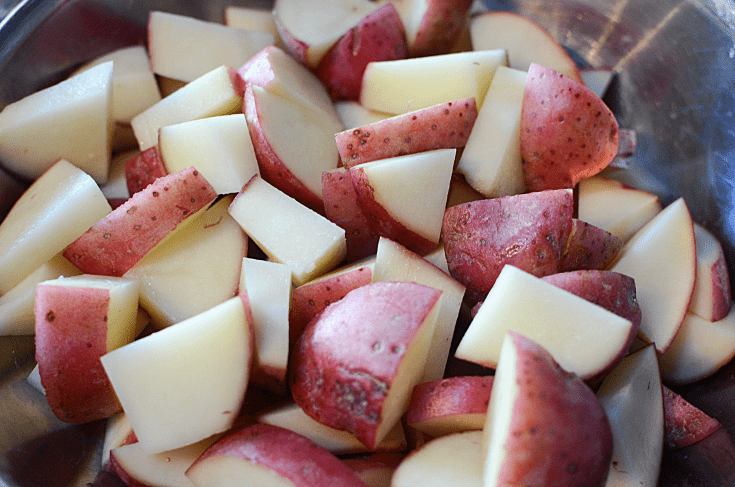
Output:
(675, 65)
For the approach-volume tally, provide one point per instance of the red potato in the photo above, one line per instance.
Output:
(567, 132)
(450, 405)
(342, 208)
(199, 368)
(379, 36)
(443, 126)
(309, 30)
(589, 247)
(684, 423)
(527, 231)
(279, 73)
(354, 367)
(292, 161)
(404, 197)
(310, 299)
(263, 454)
(114, 244)
(432, 26)
(78, 320)
(143, 169)
(613, 291)
(394, 262)
(711, 298)
(545, 426)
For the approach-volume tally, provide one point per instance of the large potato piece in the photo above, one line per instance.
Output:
(545, 426)
(567, 132)
(528, 231)
(117, 242)
(354, 367)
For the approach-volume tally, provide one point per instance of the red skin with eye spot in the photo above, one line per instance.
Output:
(443, 126)
(347, 361)
(117, 242)
(567, 132)
(528, 231)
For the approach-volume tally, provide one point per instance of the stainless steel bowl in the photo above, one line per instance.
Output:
(675, 86)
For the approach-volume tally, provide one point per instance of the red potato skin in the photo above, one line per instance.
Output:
(71, 336)
(310, 299)
(560, 435)
(526, 230)
(377, 37)
(444, 126)
(722, 299)
(450, 396)
(589, 247)
(381, 221)
(143, 169)
(272, 170)
(344, 363)
(567, 132)
(114, 244)
(375, 467)
(439, 34)
(287, 453)
(684, 423)
(342, 208)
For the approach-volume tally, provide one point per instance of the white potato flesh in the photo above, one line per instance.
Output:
(134, 86)
(287, 231)
(413, 188)
(219, 147)
(268, 285)
(455, 459)
(619, 209)
(185, 48)
(209, 95)
(307, 151)
(699, 349)
(662, 259)
(195, 269)
(71, 120)
(582, 337)
(405, 85)
(186, 382)
(631, 397)
(55, 210)
(491, 160)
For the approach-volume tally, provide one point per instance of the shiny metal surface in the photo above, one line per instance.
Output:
(675, 64)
